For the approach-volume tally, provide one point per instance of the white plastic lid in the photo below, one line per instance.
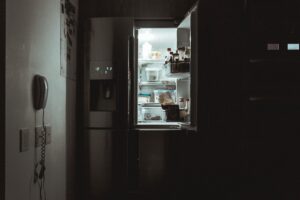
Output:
(153, 69)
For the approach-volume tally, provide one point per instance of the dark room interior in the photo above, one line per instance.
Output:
(149, 100)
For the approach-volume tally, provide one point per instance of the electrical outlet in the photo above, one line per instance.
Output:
(49, 134)
(39, 135)
(24, 140)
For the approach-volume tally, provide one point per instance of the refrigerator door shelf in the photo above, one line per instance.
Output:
(179, 67)
(179, 76)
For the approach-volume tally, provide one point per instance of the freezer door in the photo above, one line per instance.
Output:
(109, 64)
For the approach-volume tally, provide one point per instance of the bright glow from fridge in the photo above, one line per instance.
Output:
(146, 35)
(163, 94)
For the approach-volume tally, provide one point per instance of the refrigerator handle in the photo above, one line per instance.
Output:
(130, 55)
(131, 80)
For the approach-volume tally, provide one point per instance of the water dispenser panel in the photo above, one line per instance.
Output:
(101, 70)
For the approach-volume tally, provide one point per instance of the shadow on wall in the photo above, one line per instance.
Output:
(2, 99)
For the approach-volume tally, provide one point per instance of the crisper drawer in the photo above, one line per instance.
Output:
(152, 114)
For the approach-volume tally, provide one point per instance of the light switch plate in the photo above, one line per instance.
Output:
(39, 135)
(24, 140)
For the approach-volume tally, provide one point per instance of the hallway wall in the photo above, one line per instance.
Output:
(33, 47)
(2, 98)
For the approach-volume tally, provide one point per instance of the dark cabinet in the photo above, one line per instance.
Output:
(167, 164)
(271, 135)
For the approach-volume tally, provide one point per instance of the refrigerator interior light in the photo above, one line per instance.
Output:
(146, 35)
(147, 49)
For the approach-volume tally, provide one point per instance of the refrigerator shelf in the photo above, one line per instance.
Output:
(150, 105)
(153, 125)
(145, 62)
(161, 122)
(157, 83)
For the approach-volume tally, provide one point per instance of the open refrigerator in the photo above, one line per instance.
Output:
(128, 70)
(165, 86)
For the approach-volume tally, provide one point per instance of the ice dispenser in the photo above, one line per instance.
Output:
(102, 95)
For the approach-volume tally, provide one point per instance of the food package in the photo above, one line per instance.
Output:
(165, 97)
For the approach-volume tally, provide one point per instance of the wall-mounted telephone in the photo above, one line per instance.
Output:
(40, 92)
(40, 96)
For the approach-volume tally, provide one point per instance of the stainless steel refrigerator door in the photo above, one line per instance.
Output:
(108, 72)
(107, 66)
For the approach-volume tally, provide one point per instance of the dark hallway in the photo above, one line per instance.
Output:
(228, 106)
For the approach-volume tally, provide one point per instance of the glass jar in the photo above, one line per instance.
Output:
(181, 103)
(175, 57)
(187, 105)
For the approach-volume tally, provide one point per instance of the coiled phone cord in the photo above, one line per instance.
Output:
(40, 177)
(43, 147)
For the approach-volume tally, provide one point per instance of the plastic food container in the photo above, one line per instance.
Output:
(144, 98)
(153, 74)
(152, 113)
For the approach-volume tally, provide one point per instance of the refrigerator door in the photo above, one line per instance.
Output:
(110, 62)
(187, 35)
(194, 66)
(270, 133)
(106, 105)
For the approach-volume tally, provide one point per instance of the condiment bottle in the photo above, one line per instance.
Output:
(181, 52)
(176, 56)
(168, 56)
(181, 103)
(187, 105)
(171, 56)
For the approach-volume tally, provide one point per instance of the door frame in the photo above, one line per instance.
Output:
(2, 99)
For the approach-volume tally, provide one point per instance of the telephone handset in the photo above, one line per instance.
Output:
(40, 92)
